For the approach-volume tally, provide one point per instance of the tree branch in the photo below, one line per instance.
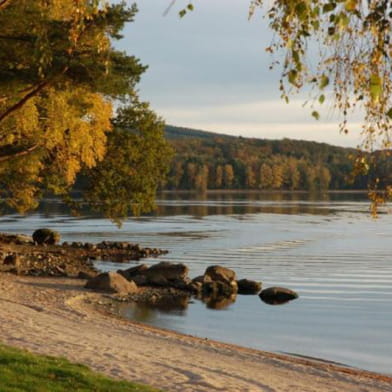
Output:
(18, 153)
(36, 90)
(20, 103)
(4, 3)
(17, 38)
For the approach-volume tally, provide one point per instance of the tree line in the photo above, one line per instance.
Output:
(210, 161)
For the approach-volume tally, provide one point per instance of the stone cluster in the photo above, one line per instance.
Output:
(169, 284)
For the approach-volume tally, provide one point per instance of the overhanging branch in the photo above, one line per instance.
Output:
(21, 102)
(18, 153)
(36, 90)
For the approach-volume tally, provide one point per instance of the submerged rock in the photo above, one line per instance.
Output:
(277, 295)
(111, 282)
(46, 237)
(246, 286)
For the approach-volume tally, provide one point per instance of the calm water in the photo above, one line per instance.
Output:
(328, 249)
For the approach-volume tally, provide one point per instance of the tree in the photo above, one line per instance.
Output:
(125, 182)
(266, 178)
(190, 175)
(324, 178)
(201, 179)
(59, 77)
(277, 176)
(218, 177)
(250, 177)
(228, 176)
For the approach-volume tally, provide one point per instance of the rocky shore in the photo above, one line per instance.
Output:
(167, 285)
(22, 255)
(162, 285)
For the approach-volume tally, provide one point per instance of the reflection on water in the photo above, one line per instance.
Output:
(232, 203)
(329, 250)
(242, 202)
(219, 302)
(172, 304)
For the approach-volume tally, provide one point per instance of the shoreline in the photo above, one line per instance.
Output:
(56, 316)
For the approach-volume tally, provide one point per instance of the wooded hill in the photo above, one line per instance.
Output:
(207, 160)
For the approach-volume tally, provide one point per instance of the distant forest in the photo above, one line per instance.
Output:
(206, 160)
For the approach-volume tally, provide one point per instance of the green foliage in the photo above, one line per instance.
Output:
(137, 160)
(227, 162)
(59, 75)
(340, 45)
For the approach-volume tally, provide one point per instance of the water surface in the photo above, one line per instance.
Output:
(328, 249)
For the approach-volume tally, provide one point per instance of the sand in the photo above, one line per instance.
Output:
(54, 316)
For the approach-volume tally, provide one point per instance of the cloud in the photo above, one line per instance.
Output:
(210, 71)
(263, 119)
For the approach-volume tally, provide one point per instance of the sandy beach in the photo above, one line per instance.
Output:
(54, 316)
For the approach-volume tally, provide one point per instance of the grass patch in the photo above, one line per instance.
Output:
(22, 371)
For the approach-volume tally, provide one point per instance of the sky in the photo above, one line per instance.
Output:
(210, 71)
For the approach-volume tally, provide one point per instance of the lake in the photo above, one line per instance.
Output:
(327, 248)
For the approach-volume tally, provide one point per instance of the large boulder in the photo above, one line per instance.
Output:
(277, 295)
(246, 286)
(167, 274)
(111, 282)
(46, 237)
(218, 273)
(131, 273)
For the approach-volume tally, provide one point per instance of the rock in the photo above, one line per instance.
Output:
(59, 271)
(12, 259)
(140, 280)
(130, 273)
(158, 280)
(86, 275)
(163, 273)
(112, 282)
(46, 237)
(13, 263)
(18, 239)
(217, 288)
(277, 295)
(198, 279)
(246, 286)
(181, 284)
(220, 274)
(195, 287)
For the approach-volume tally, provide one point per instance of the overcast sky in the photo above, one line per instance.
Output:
(209, 71)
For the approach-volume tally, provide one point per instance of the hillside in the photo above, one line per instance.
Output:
(208, 160)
